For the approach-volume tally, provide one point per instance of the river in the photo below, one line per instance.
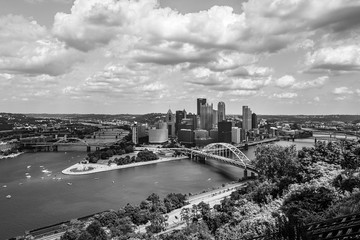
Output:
(47, 197)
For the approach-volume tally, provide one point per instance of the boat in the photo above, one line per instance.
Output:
(69, 183)
(4, 186)
(8, 196)
(28, 176)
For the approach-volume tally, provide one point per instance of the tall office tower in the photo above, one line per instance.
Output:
(246, 115)
(221, 111)
(254, 121)
(135, 136)
(179, 116)
(215, 118)
(206, 116)
(224, 131)
(170, 120)
(200, 102)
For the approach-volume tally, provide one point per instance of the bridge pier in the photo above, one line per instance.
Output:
(88, 149)
(245, 174)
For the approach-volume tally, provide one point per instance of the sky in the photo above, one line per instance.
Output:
(127, 56)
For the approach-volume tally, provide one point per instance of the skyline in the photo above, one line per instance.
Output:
(112, 57)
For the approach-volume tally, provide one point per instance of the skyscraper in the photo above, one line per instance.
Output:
(200, 102)
(179, 115)
(170, 120)
(206, 116)
(224, 131)
(254, 121)
(221, 111)
(246, 116)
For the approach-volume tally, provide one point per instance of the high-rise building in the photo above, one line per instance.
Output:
(158, 134)
(186, 136)
(170, 120)
(246, 116)
(206, 116)
(254, 121)
(179, 116)
(215, 118)
(200, 102)
(224, 131)
(135, 136)
(236, 135)
(221, 112)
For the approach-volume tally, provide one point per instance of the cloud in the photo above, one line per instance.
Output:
(316, 83)
(289, 81)
(342, 91)
(263, 26)
(244, 78)
(285, 81)
(287, 95)
(341, 58)
(28, 48)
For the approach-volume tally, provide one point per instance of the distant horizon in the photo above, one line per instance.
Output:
(227, 114)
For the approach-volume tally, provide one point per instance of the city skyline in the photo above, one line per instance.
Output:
(110, 57)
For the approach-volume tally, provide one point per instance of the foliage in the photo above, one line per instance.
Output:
(305, 203)
(275, 162)
(347, 181)
(147, 155)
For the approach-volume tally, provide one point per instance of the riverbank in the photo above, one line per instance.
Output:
(211, 197)
(90, 168)
(11, 155)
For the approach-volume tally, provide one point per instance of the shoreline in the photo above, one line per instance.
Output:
(104, 168)
(11, 155)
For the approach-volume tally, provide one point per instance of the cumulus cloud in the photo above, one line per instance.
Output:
(289, 81)
(287, 95)
(341, 58)
(318, 82)
(342, 91)
(285, 81)
(263, 26)
(246, 78)
(27, 48)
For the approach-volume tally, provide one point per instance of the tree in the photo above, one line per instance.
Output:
(275, 162)
(70, 234)
(95, 230)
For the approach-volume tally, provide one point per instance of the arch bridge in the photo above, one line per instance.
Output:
(226, 153)
(223, 152)
(72, 141)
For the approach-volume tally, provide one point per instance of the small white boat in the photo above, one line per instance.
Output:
(4, 186)
(69, 183)
(28, 167)
(28, 176)
(8, 196)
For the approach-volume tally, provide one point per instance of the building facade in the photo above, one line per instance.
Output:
(170, 121)
(246, 116)
(254, 123)
(221, 112)
(224, 131)
(200, 102)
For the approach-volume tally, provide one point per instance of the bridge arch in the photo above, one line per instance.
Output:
(213, 148)
(69, 139)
